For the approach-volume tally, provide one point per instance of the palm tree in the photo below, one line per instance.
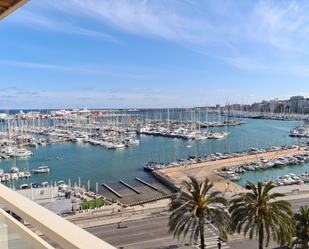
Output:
(190, 209)
(259, 213)
(301, 220)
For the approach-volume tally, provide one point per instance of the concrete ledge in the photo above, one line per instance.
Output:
(32, 239)
(59, 230)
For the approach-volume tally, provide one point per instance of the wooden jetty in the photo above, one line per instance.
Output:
(129, 186)
(112, 190)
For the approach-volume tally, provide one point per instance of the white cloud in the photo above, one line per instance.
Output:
(282, 24)
(157, 18)
(245, 63)
(50, 23)
(82, 69)
(13, 97)
(251, 35)
(248, 35)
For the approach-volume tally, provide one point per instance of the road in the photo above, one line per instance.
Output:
(146, 233)
(152, 233)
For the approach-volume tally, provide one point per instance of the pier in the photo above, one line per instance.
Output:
(176, 175)
(143, 193)
(112, 190)
(130, 187)
(148, 184)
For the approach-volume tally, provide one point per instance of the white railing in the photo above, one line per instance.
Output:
(7, 222)
(57, 229)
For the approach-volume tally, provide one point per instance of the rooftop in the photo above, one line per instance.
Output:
(9, 6)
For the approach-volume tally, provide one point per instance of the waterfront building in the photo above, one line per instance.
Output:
(294, 105)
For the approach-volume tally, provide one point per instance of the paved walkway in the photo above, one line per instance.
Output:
(177, 175)
(117, 214)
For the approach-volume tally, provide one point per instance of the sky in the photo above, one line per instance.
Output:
(152, 53)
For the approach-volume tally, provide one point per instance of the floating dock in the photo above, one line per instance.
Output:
(150, 185)
(112, 190)
(130, 187)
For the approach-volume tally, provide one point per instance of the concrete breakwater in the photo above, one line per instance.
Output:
(174, 176)
(165, 179)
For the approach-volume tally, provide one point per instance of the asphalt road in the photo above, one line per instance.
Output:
(152, 233)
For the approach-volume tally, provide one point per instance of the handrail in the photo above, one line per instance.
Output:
(32, 239)
(59, 230)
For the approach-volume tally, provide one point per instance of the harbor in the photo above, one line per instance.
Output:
(154, 124)
(270, 116)
(75, 156)
(110, 129)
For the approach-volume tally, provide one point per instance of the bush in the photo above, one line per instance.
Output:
(93, 204)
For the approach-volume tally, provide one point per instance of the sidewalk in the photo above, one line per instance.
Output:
(116, 214)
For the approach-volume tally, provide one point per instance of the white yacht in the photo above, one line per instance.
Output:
(27, 174)
(21, 152)
(131, 141)
(21, 174)
(41, 170)
(24, 186)
(14, 176)
(44, 184)
(305, 177)
(14, 170)
(115, 145)
(219, 135)
(6, 177)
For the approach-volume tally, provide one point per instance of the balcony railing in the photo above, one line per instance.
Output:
(14, 234)
(58, 230)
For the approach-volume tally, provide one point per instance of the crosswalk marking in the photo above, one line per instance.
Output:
(211, 242)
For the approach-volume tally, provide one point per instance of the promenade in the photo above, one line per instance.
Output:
(144, 226)
(177, 175)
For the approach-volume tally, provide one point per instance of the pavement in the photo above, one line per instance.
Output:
(146, 227)
(152, 233)
(149, 233)
(115, 214)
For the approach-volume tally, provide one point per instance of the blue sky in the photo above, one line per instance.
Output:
(156, 53)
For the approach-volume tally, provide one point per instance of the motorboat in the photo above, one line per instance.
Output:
(44, 184)
(27, 174)
(14, 170)
(6, 177)
(21, 152)
(21, 174)
(305, 177)
(41, 170)
(14, 176)
(24, 186)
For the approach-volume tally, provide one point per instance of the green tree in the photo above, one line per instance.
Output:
(193, 206)
(259, 213)
(301, 220)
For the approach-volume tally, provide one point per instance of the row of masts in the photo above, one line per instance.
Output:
(192, 116)
(112, 130)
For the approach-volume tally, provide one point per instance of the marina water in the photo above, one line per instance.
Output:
(96, 164)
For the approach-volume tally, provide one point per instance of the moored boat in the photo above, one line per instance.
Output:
(41, 170)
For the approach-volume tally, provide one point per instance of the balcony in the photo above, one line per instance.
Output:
(9, 6)
(59, 232)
